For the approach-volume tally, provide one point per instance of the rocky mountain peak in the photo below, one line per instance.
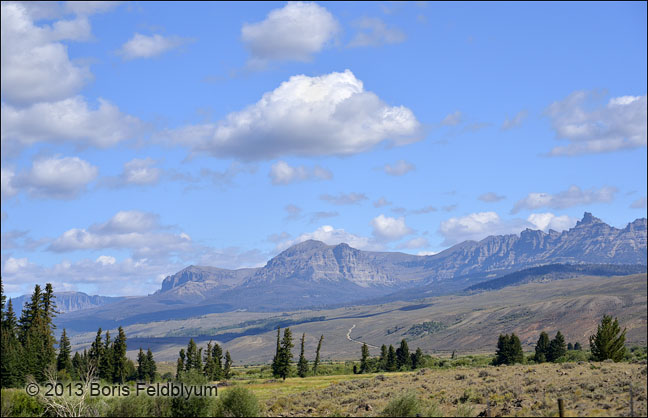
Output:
(588, 219)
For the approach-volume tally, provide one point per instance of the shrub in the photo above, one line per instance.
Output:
(237, 402)
(406, 405)
(195, 406)
(19, 404)
(138, 406)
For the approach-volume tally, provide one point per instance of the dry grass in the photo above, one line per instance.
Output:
(589, 389)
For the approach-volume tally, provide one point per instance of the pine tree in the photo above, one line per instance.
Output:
(317, 355)
(208, 368)
(151, 366)
(608, 342)
(542, 348)
(557, 348)
(217, 358)
(417, 358)
(570, 347)
(63, 361)
(509, 350)
(383, 357)
(141, 365)
(30, 313)
(12, 373)
(285, 354)
(578, 347)
(364, 364)
(96, 350)
(180, 365)
(403, 359)
(302, 365)
(119, 352)
(227, 368)
(390, 363)
(276, 359)
(106, 361)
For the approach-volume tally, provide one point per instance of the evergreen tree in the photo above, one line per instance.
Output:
(180, 365)
(96, 350)
(302, 365)
(120, 372)
(390, 363)
(417, 358)
(76, 366)
(141, 365)
(151, 367)
(227, 368)
(509, 350)
(30, 313)
(285, 354)
(276, 359)
(106, 361)
(317, 355)
(542, 348)
(192, 356)
(382, 362)
(209, 367)
(217, 358)
(12, 373)
(63, 361)
(570, 347)
(557, 348)
(578, 347)
(403, 359)
(609, 340)
(364, 364)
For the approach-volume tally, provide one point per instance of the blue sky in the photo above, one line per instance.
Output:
(139, 138)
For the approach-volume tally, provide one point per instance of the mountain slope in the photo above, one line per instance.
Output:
(70, 301)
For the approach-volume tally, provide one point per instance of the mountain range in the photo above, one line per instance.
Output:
(312, 274)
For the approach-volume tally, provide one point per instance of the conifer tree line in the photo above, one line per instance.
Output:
(607, 343)
(212, 364)
(390, 359)
(28, 348)
(281, 362)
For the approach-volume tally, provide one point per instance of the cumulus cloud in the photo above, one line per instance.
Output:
(35, 65)
(381, 202)
(140, 171)
(574, 196)
(144, 46)
(56, 177)
(639, 203)
(491, 197)
(134, 230)
(389, 229)
(477, 226)
(307, 116)
(374, 32)
(401, 167)
(282, 173)
(452, 119)
(294, 32)
(332, 236)
(70, 120)
(90, 7)
(621, 124)
(419, 242)
(344, 199)
(7, 175)
(515, 121)
(547, 221)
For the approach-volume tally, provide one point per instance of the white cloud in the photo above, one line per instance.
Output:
(389, 229)
(14, 265)
(491, 197)
(381, 202)
(477, 226)
(56, 177)
(282, 173)
(105, 260)
(7, 175)
(452, 119)
(35, 66)
(401, 167)
(332, 236)
(308, 116)
(515, 121)
(547, 221)
(69, 120)
(140, 172)
(573, 196)
(374, 32)
(344, 199)
(639, 203)
(294, 32)
(621, 124)
(143, 46)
